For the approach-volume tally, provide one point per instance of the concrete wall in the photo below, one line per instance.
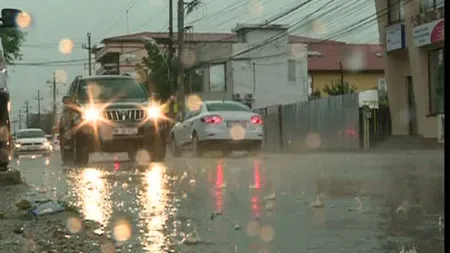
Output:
(215, 52)
(270, 85)
(362, 81)
(411, 61)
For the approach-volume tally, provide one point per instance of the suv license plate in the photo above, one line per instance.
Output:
(125, 131)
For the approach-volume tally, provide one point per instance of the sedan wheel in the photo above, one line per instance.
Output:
(196, 147)
(174, 148)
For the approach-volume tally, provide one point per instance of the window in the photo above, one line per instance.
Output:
(396, 11)
(428, 5)
(217, 78)
(436, 81)
(196, 80)
(226, 107)
(30, 134)
(291, 70)
(106, 89)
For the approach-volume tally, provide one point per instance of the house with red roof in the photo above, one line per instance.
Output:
(361, 65)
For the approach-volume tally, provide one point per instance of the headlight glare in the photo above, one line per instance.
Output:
(91, 114)
(154, 112)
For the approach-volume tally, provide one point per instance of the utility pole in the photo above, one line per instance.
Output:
(342, 78)
(54, 99)
(26, 113)
(39, 98)
(20, 119)
(14, 123)
(170, 30)
(180, 95)
(89, 49)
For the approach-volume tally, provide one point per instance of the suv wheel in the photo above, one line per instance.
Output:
(66, 155)
(157, 148)
(80, 150)
(176, 152)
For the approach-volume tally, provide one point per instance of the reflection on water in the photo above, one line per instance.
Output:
(93, 195)
(255, 199)
(218, 194)
(153, 203)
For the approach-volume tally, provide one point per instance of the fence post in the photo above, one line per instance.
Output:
(367, 114)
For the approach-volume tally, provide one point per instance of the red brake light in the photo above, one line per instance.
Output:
(213, 119)
(257, 120)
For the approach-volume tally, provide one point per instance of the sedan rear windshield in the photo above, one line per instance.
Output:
(31, 134)
(106, 89)
(226, 107)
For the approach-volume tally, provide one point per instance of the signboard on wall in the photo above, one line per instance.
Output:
(395, 37)
(428, 33)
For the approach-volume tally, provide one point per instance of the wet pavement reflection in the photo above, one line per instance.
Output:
(273, 203)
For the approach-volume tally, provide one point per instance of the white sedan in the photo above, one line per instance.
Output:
(218, 125)
(31, 141)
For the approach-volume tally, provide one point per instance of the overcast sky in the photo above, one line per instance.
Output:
(54, 20)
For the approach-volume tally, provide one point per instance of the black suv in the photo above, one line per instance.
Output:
(110, 114)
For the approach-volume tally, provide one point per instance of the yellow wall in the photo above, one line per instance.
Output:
(362, 81)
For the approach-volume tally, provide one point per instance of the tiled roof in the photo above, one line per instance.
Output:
(202, 37)
(356, 57)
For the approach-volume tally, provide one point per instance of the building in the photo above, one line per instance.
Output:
(361, 65)
(413, 35)
(261, 60)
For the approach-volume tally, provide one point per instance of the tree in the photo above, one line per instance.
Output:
(12, 40)
(160, 71)
(336, 88)
(314, 95)
(193, 6)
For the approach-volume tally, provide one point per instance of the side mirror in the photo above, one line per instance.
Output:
(9, 16)
(67, 100)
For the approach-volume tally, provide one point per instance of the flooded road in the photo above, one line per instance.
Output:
(330, 202)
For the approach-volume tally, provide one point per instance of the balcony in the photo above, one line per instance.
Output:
(428, 16)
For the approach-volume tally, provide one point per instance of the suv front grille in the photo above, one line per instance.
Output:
(124, 114)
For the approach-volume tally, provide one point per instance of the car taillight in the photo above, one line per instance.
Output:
(213, 119)
(257, 120)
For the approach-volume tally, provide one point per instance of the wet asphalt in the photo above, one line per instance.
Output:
(371, 202)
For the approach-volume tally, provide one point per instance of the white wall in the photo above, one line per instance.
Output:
(271, 69)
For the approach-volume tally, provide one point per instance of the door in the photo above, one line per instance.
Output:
(412, 119)
(182, 134)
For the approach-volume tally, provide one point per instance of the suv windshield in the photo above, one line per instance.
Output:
(106, 89)
(220, 107)
(31, 134)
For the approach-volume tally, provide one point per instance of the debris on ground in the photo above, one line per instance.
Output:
(192, 238)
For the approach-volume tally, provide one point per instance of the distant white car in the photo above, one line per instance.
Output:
(218, 125)
(31, 141)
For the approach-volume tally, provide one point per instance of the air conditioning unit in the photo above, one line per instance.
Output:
(441, 128)
(237, 97)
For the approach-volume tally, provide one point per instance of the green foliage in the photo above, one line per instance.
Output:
(161, 71)
(314, 95)
(12, 39)
(193, 6)
(336, 88)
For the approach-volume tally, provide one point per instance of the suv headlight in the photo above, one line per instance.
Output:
(91, 114)
(154, 112)
(17, 145)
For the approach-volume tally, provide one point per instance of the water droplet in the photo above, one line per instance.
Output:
(66, 46)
